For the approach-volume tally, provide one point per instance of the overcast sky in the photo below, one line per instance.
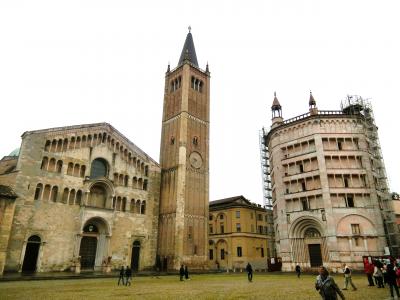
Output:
(76, 62)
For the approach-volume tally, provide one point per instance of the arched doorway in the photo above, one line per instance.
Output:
(88, 248)
(135, 256)
(31, 254)
(312, 238)
(93, 244)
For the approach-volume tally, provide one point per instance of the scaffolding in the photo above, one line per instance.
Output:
(356, 105)
(265, 171)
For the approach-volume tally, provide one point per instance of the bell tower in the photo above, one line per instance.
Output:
(184, 159)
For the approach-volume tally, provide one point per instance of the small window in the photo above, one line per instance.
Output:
(239, 251)
(238, 228)
(303, 186)
(195, 140)
(350, 201)
(259, 216)
(301, 168)
(339, 145)
(222, 254)
(222, 228)
(237, 214)
(262, 252)
(355, 229)
(304, 203)
(210, 217)
(211, 254)
(172, 140)
(357, 241)
(260, 229)
(221, 217)
(288, 218)
(190, 233)
(211, 229)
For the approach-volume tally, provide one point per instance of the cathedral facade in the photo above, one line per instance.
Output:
(87, 198)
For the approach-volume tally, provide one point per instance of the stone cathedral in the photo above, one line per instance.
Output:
(86, 198)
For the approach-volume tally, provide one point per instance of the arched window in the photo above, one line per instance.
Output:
(126, 180)
(34, 239)
(53, 146)
(84, 141)
(47, 146)
(38, 191)
(99, 168)
(46, 192)
(65, 145)
(146, 171)
(54, 193)
(121, 179)
(118, 206)
(143, 208)
(71, 199)
(132, 206)
(52, 165)
(72, 144)
(137, 210)
(59, 145)
(59, 166)
(83, 170)
(65, 196)
(140, 183)
(45, 160)
(145, 185)
(134, 182)
(76, 170)
(78, 200)
(78, 142)
(70, 168)
(123, 207)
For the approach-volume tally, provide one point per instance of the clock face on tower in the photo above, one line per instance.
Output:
(195, 160)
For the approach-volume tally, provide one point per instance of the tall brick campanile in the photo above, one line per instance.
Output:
(184, 159)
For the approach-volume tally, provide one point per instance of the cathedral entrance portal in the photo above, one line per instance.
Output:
(31, 254)
(315, 255)
(135, 256)
(93, 248)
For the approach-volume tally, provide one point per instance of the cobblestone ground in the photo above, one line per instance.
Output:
(218, 286)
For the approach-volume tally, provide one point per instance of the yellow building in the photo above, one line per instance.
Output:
(239, 232)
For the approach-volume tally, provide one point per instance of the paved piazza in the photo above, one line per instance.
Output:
(219, 286)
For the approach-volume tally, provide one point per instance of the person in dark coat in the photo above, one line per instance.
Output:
(186, 273)
(121, 276)
(181, 273)
(249, 270)
(391, 279)
(326, 286)
(128, 276)
(298, 270)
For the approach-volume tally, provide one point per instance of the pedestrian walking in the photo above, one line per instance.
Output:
(128, 276)
(249, 270)
(121, 276)
(326, 286)
(181, 273)
(347, 278)
(298, 270)
(186, 273)
(369, 270)
(378, 275)
(391, 279)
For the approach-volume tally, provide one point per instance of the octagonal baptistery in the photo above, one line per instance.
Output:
(87, 198)
(324, 188)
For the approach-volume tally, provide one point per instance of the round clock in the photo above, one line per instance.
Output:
(195, 160)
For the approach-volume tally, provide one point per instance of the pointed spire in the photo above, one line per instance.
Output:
(169, 68)
(188, 52)
(312, 102)
(275, 104)
(207, 69)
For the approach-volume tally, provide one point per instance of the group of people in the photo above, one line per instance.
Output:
(183, 273)
(380, 273)
(377, 273)
(125, 276)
